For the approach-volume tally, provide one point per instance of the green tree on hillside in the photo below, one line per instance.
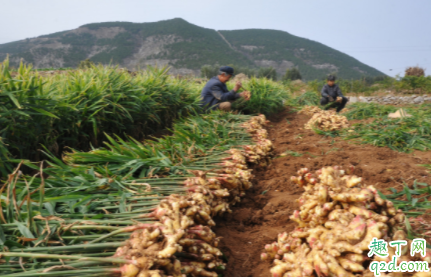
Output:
(268, 73)
(292, 75)
(250, 72)
(208, 71)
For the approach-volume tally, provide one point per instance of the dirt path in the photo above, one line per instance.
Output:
(265, 211)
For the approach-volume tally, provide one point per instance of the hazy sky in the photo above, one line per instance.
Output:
(385, 34)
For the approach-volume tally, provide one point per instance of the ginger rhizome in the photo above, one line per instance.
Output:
(182, 243)
(338, 218)
(327, 121)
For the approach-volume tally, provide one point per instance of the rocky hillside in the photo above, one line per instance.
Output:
(185, 47)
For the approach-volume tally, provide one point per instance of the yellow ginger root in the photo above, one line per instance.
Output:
(356, 258)
(195, 271)
(354, 196)
(280, 269)
(337, 219)
(372, 232)
(319, 265)
(327, 121)
(184, 220)
(129, 270)
(335, 268)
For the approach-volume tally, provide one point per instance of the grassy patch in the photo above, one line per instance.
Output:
(368, 110)
(331, 134)
(309, 98)
(403, 135)
(399, 134)
(414, 203)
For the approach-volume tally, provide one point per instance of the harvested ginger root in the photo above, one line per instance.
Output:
(338, 218)
(327, 121)
(181, 242)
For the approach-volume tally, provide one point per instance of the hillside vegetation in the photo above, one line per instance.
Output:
(185, 47)
(312, 58)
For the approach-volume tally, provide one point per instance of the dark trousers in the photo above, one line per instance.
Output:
(324, 101)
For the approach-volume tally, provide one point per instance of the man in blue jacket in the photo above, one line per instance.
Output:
(215, 94)
(331, 93)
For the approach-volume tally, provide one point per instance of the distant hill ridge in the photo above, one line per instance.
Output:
(185, 47)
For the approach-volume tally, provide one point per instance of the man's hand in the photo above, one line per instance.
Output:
(238, 85)
(330, 98)
(246, 95)
(339, 99)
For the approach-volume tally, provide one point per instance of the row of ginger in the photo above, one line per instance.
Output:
(181, 243)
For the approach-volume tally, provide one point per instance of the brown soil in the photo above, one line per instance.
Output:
(265, 212)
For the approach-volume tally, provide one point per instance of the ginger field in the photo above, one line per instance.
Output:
(90, 187)
(268, 212)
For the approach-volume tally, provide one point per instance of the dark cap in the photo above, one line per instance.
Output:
(227, 69)
(331, 78)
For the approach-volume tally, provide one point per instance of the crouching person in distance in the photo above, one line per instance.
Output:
(215, 94)
(331, 94)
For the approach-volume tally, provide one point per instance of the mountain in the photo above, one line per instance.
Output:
(185, 47)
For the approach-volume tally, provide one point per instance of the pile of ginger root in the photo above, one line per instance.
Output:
(327, 121)
(181, 242)
(338, 218)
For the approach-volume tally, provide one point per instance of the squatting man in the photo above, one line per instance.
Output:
(216, 96)
(331, 94)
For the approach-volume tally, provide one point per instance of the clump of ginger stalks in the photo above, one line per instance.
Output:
(182, 243)
(338, 217)
(327, 121)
